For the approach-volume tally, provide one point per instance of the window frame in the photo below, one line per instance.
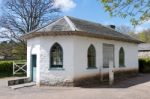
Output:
(121, 56)
(91, 59)
(52, 66)
(113, 48)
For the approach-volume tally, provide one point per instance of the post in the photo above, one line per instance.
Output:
(111, 73)
(101, 74)
(13, 68)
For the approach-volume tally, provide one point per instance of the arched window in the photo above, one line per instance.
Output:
(91, 57)
(56, 56)
(121, 57)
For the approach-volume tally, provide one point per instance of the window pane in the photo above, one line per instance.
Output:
(56, 56)
(121, 57)
(91, 56)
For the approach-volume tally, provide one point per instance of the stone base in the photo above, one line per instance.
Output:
(58, 83)
(18, 81)
(93, 80)
(96, 79)
(123, 74)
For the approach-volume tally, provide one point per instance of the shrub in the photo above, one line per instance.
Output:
(144, 65)
(6, 67)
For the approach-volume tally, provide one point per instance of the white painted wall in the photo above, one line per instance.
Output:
(50, 75)
(75, 57)
(81, 45)
(33, 47)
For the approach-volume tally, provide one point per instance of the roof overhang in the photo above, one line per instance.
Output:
(76, 33)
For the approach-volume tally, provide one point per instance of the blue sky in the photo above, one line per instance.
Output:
(93, 10)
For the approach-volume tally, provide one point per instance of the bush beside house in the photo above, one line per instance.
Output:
(6, 68)
(144, 65)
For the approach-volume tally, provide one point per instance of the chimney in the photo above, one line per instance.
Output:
(112, 26)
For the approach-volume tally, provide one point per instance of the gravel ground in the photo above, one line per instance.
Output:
(132, 88)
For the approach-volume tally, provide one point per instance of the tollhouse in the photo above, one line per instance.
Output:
(69, 50)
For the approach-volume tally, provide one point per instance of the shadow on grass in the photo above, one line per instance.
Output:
(123, 83)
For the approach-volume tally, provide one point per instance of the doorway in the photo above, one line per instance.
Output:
(33, 65)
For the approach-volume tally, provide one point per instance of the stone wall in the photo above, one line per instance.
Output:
(18, 81)
(96, 79)
(92, 80)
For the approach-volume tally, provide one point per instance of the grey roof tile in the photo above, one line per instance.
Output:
(68, 23)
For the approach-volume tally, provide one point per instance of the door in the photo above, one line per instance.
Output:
(108, 54)
(34, 68)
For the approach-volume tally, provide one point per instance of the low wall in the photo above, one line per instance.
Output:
(18, 81)
(92, 79)
(97, 78)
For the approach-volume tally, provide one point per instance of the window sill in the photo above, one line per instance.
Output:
(56, 69)
(122, 66)
(107, 67)
(92, 68)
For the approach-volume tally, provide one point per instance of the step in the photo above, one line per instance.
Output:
(18, 81)
(23, 85)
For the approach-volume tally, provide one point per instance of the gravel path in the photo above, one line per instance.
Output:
(133, 88)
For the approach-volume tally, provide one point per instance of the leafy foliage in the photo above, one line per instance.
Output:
(6, 66)
(143, 36)
(137, 10)
(144, 65)
(12, 50)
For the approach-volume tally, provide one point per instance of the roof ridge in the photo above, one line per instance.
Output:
(94, 23)
(71, 24)
(49, 23)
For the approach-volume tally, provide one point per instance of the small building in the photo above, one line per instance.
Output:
(144, 50)
(69, 50)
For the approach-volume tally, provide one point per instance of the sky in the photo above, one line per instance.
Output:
(92, 10)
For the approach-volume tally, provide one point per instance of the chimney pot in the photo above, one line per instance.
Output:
(112, 26)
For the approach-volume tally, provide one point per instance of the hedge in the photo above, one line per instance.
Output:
(144, 65)
(6, 67)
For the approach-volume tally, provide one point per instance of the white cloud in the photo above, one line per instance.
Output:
(142, 27)
(139, 29)
(65, 5)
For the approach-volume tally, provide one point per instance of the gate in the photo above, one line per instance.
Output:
(19, 66)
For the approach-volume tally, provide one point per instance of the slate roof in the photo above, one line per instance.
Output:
(144, 47)
(74, 26)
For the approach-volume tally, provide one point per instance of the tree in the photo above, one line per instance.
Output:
(137, 10)
(124, 29)
(6, 49)
(144, 35)
(22, 16)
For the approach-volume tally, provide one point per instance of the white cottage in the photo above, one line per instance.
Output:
(69, 50)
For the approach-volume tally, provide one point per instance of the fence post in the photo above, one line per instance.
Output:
(13, 68)
(111, 73)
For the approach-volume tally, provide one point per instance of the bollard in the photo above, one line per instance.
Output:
(111, 73)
